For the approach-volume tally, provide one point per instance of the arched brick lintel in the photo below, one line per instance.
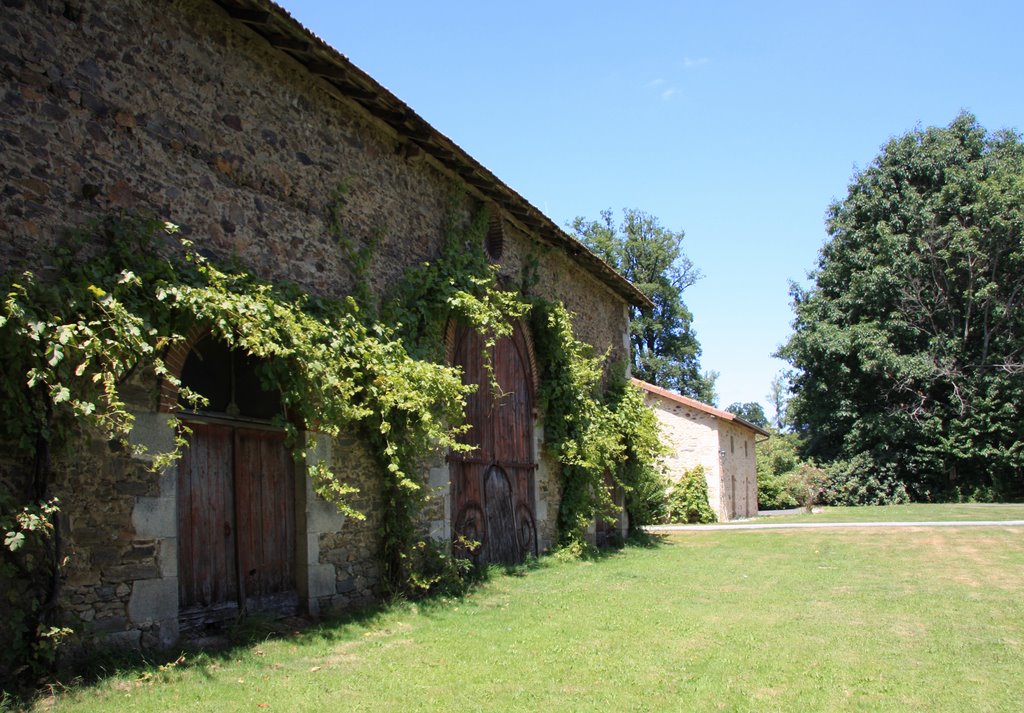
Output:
(174, 361)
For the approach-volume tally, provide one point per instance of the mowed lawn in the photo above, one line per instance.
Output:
(902, 619)
(915, 512)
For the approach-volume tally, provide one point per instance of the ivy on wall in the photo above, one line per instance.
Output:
(593, 429)
(120, 291)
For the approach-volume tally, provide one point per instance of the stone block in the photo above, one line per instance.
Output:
(82, 578)
(169, 631)
(322, 516)
(155, 518)
(103, 556)
(130, 573)
(439, 477)
(153, 600)
(141, 552)
(168, 557)
(318, 448)
(135, 488)
(312, 549)
(439, 530)
(123, 640)
(321, 580)
(110, 624)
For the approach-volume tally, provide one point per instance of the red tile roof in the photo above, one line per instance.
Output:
(697, 405)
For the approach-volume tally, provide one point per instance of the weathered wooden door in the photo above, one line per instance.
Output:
(236, 524)
(492, 486)
(607, 531)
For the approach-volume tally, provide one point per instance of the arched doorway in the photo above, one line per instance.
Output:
(235, 494)
(492, 486)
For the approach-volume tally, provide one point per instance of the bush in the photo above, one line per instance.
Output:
(687, 499)
(775, 492)
(861, 481)
(783, 480)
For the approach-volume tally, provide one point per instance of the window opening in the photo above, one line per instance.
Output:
(230, 381)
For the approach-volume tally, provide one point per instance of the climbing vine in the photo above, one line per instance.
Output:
(119, 292)
(591, 429)
(460, 284)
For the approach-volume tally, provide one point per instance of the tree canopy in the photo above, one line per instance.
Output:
(664, 346)
(751, 412)
(909, 345)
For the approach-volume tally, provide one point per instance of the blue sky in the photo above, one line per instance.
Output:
(737, 123)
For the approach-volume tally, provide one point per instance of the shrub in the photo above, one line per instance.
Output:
(687, 499)
(860, 481)
(775, 492)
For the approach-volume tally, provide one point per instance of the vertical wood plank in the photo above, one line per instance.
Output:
(501, 426)
(266, 507)
(206, 559)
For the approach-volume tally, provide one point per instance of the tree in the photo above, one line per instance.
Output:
(751, 412)
(909, 346)
(665, 348)
(778, 398)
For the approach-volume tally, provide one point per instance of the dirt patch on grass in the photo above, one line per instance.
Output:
(971, 559)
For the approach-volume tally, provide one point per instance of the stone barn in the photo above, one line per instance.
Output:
(233, 121)
(698, 434)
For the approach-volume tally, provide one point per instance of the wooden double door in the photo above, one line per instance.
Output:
(236, 524)
(492, 486)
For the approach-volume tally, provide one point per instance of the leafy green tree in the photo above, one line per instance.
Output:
(751, 412)
(665, 348)
(909, 346)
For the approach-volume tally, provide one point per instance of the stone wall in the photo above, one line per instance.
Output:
(724, 448)
(739, 470)
(348, 549)
(172, 109)
(107, 560)
(692, 437)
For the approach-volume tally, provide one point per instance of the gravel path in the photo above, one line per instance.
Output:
(827, 525)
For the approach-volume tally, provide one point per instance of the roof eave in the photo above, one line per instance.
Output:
(288, 35)
(698, 405)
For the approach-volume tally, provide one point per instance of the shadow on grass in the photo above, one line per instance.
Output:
(203, 652)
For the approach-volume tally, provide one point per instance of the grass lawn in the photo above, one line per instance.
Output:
(918, 512)
(822, 620)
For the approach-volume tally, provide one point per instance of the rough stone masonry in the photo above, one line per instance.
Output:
(183, 110)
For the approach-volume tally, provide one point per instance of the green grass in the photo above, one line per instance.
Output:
(810, 620)
(918, 512)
